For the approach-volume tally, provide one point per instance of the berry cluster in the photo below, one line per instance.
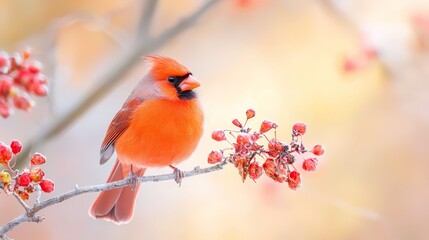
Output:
(20, 77)
(278, 157)
(24, 182)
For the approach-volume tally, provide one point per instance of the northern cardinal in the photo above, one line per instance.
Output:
(159, 125)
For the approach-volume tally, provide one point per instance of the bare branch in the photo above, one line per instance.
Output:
(146, 18)
(112, 77)
(30, 216)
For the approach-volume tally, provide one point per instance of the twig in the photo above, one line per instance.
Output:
(146, 18)
(111, 78)
(30, 215)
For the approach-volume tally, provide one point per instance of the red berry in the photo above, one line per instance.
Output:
(215, 157)
(318, 150)
(299, 128)
(6, 84)
(266, 126)
(309, 164)
(5, 153)
(243, 139)
(218, 135)
(275, 145)
(255, 171)
(5, 110)
(36, 174)
(270, 168)
(37, 159)
(22, 102)
(47, 185)
(237, 123)
(4, 60)
(250, 113)
(24, 180)
(16, 146)
(40, 90)
(294, 180)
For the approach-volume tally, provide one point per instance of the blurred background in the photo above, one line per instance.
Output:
(356, 71)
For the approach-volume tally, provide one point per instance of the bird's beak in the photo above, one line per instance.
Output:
(189, 83)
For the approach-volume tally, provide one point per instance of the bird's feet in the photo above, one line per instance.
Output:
(179, 175)
(134, 179)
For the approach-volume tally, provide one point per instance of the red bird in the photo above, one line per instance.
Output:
(159, 125)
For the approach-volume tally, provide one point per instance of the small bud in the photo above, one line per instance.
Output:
(47, 185)
(215, 157)
(24, 179)
(237, 123)
(255, 171)
(309, 164)
(37, 159)
(299, 128)
(318, 150)
(250, 113)
(36, 174)
(266, 126)
(16, 146)
(218, 135)
(26, 53)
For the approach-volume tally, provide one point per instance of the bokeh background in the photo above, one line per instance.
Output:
(356, 71)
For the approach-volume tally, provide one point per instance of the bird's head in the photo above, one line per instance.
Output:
(171, 79)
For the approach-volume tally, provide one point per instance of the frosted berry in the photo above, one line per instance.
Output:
(318, 150)
(250, 113)
(237, 123)
(47, 185)
(16, 146)
(309, 164)
(24, 179)
(255, 171)
(294, 180)
(299, 128)
(37, 159)
(266, 126)
(22, 102)
(5, 153)
(218, 135)
(5, 177)
(36, 174)
(243, 139)
(215, 157)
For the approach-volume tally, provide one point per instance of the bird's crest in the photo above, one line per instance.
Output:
(163, 67)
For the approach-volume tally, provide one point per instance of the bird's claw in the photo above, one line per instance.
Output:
(179, 175)
(133, 179)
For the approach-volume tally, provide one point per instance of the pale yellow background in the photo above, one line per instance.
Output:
(282, 58)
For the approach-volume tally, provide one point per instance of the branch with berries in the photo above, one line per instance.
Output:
(20, 78)
(245, 152)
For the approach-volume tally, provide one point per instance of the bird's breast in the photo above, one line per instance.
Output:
(161, 132)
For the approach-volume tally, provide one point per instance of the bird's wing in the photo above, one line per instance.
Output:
(119, 124)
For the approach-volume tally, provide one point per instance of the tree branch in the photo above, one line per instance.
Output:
(112, 77)
(30, 215)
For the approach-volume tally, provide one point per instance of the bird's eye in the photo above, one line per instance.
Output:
(172, 79)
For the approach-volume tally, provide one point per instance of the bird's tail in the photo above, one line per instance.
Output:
(116, 205)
